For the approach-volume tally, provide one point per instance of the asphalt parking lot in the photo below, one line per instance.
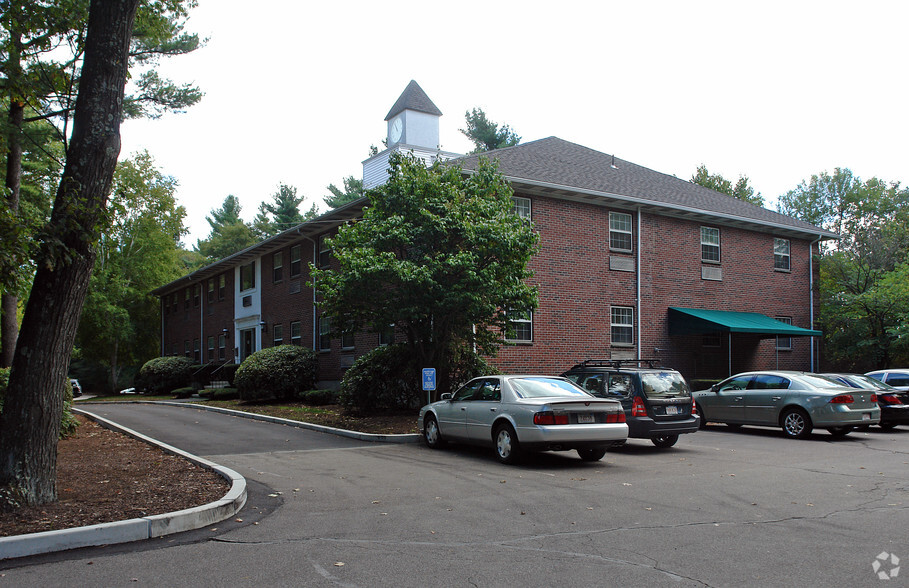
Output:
(722, 508)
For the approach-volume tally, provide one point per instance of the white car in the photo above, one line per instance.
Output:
(899, 379)
(520, 413)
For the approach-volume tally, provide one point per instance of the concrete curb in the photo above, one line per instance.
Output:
(375, 437)
(134, 529)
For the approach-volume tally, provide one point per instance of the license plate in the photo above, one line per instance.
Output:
(586, 418)
(672, 410)
(866, 416)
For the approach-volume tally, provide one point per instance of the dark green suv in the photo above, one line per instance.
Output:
(657, 400)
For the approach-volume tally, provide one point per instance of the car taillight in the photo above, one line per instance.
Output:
(889, 399)
(638, 409)
(874, 398)
(694, 408)
(842, 399)
(550, 418)
(616, 417)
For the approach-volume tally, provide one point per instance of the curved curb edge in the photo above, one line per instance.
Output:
(134, 529)
(374, 437)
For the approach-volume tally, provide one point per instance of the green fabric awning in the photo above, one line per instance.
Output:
(689, 321)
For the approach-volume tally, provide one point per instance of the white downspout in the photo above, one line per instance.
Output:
(811, 293)
(638, 288)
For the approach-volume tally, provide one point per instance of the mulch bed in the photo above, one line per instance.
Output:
(104, 476)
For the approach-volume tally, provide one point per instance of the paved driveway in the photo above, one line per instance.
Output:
(719, 509)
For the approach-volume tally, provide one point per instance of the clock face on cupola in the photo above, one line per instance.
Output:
(413, 120)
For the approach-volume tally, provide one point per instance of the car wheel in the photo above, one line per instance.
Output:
(431, 433)
(508, 449)
(840, 431)
(593, 454)
(664, 441)
(796, 423)
(703, 423)
(887, 426)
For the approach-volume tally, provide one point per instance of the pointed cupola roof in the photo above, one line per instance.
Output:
(413, 98)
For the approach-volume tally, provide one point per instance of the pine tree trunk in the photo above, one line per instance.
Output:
(30, 422)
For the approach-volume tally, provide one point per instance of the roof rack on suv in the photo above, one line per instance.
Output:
(619, 363)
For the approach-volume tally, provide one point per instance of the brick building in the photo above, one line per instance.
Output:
(633, 264)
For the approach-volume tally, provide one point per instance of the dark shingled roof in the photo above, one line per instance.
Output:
(561, 169)
(413, 98)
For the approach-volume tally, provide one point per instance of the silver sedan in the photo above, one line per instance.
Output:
(519, 413)
(796, 401)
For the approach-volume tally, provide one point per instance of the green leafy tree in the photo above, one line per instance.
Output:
(487, 135)
(741, 189)
(353, 190)
(42, 50)
(863, 296)
(282, 213)
(137, 252)
(30, 422)
(229, 233)
(439, 255)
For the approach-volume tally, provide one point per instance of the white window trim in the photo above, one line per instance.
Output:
(629, 325)
(779, 347)
(527, 321)
(787, 255)
(628, 232)
(718, 245)
(519, 206)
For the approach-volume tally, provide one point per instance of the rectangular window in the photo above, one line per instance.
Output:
(784, 343)
(324, 252)
(222, 346)
(211, 348)
(347, 340)
(174, 301)
(324, 334)
(186, 297)
(295, 261)
(622, 325)
(781, 254)
(710, 244)
(296, 333)
(520, 326)
(248, 276)
(197, 295)
(620, 231)
(187, 350)
(521, 207)
(387, 337)
(222, 280)
(211, 290)
(277, 334)
(277, 266)
(197, 351)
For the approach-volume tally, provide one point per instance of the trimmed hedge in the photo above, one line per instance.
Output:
(164, 374)
(276, 373)
(319, 397)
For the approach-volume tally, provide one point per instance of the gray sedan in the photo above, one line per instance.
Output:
(515, 413)
(796, 401)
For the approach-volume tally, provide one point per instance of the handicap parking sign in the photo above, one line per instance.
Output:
(429, 378)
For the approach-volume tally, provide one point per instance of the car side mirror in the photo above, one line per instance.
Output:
(715, 388)
(445, 396)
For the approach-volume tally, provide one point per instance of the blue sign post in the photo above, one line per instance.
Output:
(429, 381)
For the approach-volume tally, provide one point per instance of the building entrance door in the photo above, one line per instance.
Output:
(247, 343)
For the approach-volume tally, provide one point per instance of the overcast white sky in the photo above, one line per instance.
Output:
(296, 92)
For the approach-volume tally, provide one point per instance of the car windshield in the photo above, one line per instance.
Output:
(544, 387)
(668, 384)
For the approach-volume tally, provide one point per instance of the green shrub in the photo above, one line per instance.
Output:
(276, 373)
(184, 392)
(319, 397)
(384, 378)
(163, 374)
(225, 394)
(387, 378)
